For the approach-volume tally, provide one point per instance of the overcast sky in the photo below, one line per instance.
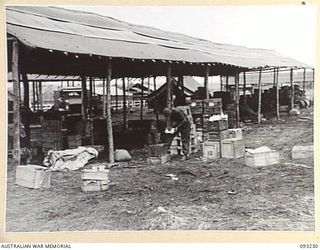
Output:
(291, 30)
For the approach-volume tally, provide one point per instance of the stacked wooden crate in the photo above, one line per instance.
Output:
(158, 153)
(51, 135)
(215, 132)
(74, 141)
(35, 139)
(176, 145)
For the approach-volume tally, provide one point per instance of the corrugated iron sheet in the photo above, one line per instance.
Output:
(88, 33)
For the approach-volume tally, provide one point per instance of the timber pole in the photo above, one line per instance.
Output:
(206, 82)
(277, 91)
(41, 95)
(155, 98)
(221, 83)
(124, 103)
(83, 98)
(292, 88)
(26, 99)
(169, 87)
(16, 103)
(109, 120)
(237, 99)
(141, 100)
(33, 97)
(116, 90)
(259, 100)
(103, 98)
(244, 88)
(90, 95)
(227, 83)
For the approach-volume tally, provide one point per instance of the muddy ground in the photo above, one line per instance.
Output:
(218, 195)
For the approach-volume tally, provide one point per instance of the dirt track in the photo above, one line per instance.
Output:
(142, 197)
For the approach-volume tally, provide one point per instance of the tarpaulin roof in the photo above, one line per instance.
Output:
(89, 33)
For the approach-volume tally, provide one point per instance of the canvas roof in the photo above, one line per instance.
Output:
(87, 33)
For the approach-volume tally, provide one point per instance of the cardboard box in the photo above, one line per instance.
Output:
(33, 176)
(232, 148)
(262, 156)
(211, 150)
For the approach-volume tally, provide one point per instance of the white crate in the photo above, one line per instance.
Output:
(211, 150)
(33, 176)
(261, 159)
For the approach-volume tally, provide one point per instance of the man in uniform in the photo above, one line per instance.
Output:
(179, 123)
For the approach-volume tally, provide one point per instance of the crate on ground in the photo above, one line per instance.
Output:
(211, 150)
(302, 152)
(217, 136)
(157, 150)
(95, 179)
(74, 141)
(235, 133)
(232, 148)
(159, 160)
(33, 176)
(262, 156)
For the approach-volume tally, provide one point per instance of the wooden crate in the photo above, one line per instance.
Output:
(74, 141)
(159, 160)
(95, 179)
(211, 150)
(217, 136)
(158, 150)
(216, 126)
(260, 159)
(33, 176)
(302, 152)
(235, 133)
(232, 148)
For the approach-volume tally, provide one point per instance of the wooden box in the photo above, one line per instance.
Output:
(217, 136)
(211, 150)
(260, 159)
(159, 160)
(157, 150)
(302, 152)
(33, 176)
(232, 148)
(235, 133)
(95, 179)
(217, 126)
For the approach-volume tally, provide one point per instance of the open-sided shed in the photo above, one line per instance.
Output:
(56, 41)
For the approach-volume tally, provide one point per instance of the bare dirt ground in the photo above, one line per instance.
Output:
(142, 197)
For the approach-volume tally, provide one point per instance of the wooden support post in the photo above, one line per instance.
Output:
(116, 91)
(141, 100)
(124, 104)
(169, 87)
(83, 98)
(221, 83)
(16, 103)
(148, 86)
(156, 103)
(33, 96)
(104, 98)
(40, 96)
(259, 100)
(244, 88)
(109, 120)
(277, 92)
(206, 82)
(304, 79)
(292, 88)
(26, 99)
(227, 83)
(236, 80)
(37, 95)
(90, 95)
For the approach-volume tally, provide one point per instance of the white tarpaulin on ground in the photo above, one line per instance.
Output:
(69, 159)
